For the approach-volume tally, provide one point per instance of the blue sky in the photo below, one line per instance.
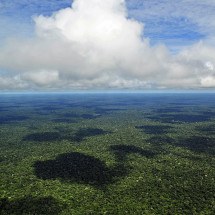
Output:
(163, 27)
(107, 44)
(16, 15)
(172, 29)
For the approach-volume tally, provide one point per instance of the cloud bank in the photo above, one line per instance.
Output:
(94, 45)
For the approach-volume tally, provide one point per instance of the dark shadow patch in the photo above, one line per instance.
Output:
(74, 116)
(71, 115)
(198, 144)
(90, 116)
(208, 129)
(84, 116)
(64, 120)
(9, 119)
(104, 111)
(100, 111)
(3, 109)
(75, 167)
(82, 133)
(51, 108)
(154, 129)
(31, 205)
(80, 168)
(169, 110)
(160, 140)
(175, 118)
(64, 134)
(208, 113)
(44, 136)
(122, 151)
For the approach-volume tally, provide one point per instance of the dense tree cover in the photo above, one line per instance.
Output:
(119, 154)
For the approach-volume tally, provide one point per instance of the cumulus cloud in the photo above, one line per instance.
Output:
(208, 82)
(42, 77)
(93, 44)
(12, 83)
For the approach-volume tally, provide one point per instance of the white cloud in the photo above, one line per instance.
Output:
(209, 66)
(42, 77)
(94, 45)
(208, 82)
(12, 83)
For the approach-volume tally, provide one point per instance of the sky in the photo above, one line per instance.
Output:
(107, 45)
